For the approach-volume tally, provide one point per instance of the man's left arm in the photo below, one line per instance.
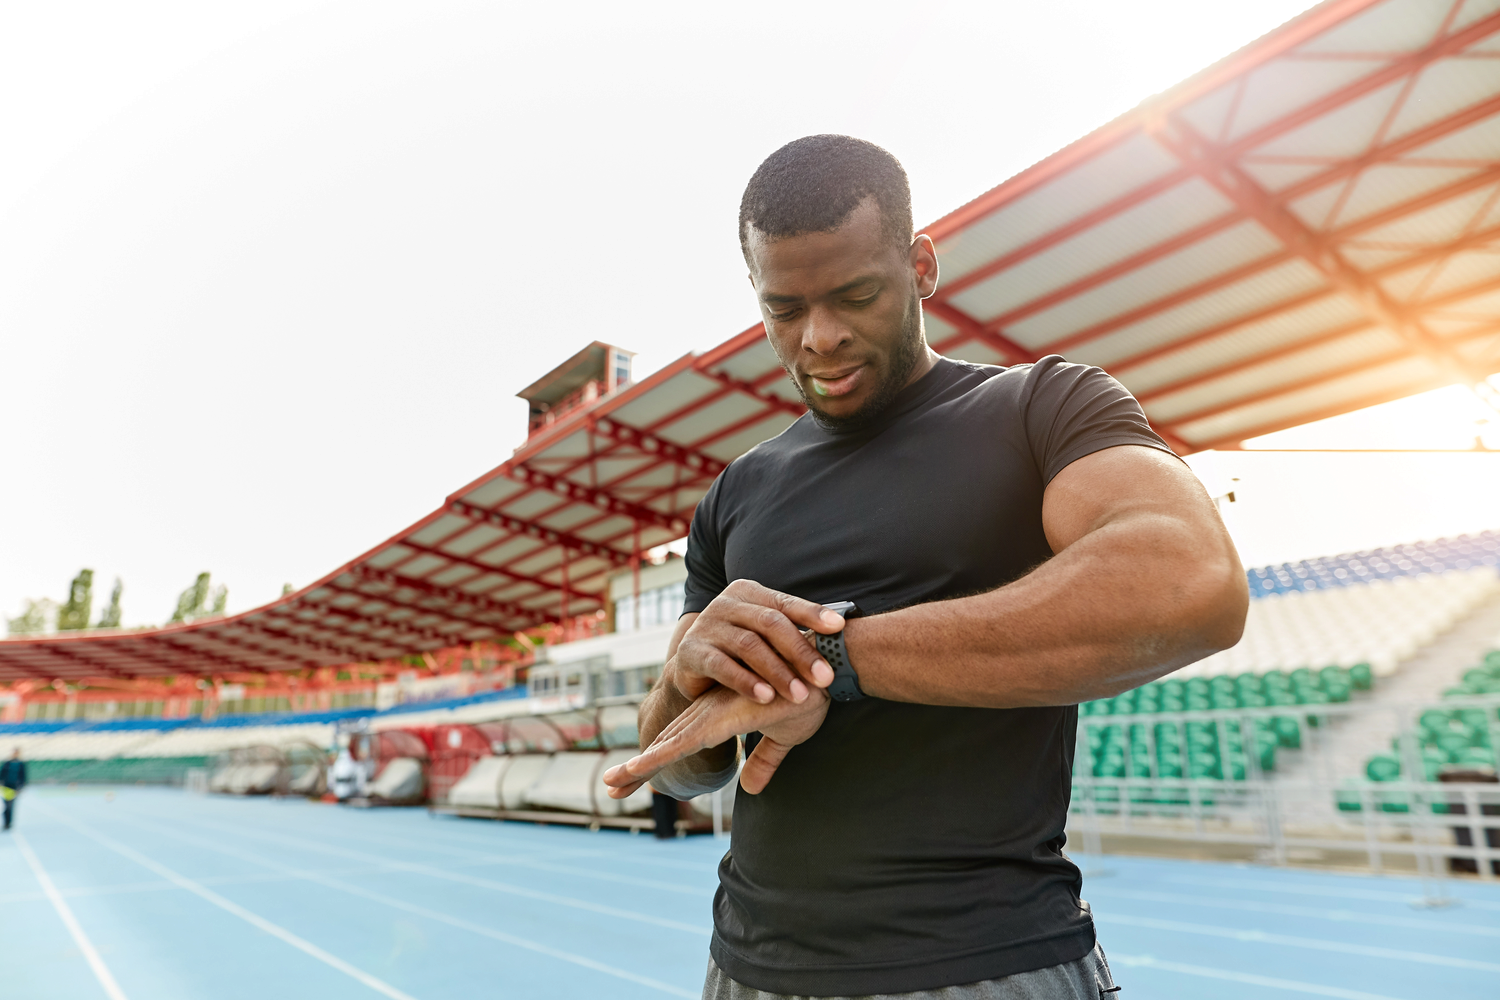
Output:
(1144, 579)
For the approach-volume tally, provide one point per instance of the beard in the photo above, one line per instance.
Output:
(904, 360)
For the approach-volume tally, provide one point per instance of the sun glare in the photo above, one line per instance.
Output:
(1451, 418)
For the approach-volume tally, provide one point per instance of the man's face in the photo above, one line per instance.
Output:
(843, 312)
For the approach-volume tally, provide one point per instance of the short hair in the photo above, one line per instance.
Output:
(812, 184)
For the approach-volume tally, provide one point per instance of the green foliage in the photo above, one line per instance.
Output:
(75, 612)
(201, 600)
(110, 616)
(38, 617)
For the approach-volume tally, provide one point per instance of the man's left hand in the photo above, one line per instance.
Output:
(715, 717)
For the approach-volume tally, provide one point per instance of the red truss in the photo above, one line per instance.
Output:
(1310, 226)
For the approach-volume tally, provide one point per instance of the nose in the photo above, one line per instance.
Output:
(824, 334)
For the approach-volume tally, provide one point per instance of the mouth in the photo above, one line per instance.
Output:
(837, 383)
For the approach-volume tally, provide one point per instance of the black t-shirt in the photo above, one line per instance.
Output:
(907, 847)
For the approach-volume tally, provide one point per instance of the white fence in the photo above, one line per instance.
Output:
(1316, 798)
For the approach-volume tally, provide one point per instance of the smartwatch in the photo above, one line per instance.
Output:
(845, 686)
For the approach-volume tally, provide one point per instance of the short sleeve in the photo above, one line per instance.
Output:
(705, 554)
(1075, 410)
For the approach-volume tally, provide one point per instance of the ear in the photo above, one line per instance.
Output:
(924, 264)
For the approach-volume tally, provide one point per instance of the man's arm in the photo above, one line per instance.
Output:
(1145, 580)
(747, 626)
(706, 771)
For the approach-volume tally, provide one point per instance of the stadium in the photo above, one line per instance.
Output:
(390, 781)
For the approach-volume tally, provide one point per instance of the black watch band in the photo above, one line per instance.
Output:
(845, 686)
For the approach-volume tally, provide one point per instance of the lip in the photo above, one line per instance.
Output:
(839, 382)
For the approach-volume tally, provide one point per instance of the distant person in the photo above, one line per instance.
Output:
(664, 814)
(1018, 540)
(12, 780)
(345, 775)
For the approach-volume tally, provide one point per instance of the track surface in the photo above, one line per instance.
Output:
(148, 893)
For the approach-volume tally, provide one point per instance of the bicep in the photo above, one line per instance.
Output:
(1118, 482)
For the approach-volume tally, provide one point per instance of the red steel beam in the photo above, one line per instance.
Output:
(1343, 170)
(519, 526)
(1448, 298)
(1289, 36)
(1197, 153)
(503, 609)
(1185, 295)
(469, 560)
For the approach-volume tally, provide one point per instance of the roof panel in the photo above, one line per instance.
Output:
(1242, 300)
(1445, 87)
(1170, 213)
(1321, 359)
(1127, 167)
(1249, 340)
(1399, 376)
(1395, 27)
(1234, 247)
(1289, 84)
(665, 399)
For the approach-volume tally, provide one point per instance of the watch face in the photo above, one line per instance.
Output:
(846, 609)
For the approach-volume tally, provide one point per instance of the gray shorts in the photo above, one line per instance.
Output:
(1086, 979)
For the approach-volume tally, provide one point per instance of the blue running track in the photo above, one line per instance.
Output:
(151, 894)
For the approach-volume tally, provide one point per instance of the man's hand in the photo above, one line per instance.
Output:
(750, 640)
(716, 717)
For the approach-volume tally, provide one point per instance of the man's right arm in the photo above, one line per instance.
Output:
(749, 639)
(706, 771)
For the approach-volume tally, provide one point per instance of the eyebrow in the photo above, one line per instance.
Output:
(848, 286)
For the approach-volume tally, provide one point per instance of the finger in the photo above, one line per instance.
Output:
(787, 641)
(751, 650)
(808, 614)
(703, 656)
(761, 765)
(624, 791)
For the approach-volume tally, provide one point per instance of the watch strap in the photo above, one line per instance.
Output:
(845, 686)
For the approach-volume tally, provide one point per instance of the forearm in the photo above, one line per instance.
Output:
(706, 771)
(1128, 602)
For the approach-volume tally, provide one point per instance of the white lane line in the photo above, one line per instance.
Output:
(90, 954)
(1373, 895)
(1287, 940)
(1250, 978)
(489, 932)
(438, 873)
(1107, 893)
(539, 863)
(254, 919)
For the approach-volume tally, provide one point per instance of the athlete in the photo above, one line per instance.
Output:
(1013, 540)
(12, 780)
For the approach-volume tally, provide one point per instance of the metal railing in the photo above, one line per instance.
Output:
(1316, 797)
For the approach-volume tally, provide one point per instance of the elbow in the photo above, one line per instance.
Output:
(1225, 603)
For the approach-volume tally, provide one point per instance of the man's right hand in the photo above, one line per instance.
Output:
(714, 719)
(750, 640)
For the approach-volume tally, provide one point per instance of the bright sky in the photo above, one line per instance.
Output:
(271, 274)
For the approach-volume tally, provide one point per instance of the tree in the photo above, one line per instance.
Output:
(75, 611)
(110, 616)
(38, 617)
(200, 601)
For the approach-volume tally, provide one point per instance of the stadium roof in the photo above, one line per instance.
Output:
(1308, 227)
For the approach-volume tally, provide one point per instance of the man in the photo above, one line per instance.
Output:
(12, 780)
(1017, 539)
